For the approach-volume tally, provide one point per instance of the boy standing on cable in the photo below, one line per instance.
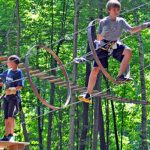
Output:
(13, 81)
(110, 30)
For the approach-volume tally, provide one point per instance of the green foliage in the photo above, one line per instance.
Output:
(45, 22)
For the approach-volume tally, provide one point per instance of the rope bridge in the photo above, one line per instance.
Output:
(75, 88)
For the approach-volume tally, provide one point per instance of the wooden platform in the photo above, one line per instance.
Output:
(13, 145)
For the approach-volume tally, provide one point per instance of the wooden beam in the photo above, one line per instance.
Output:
(24, 69)
(62, 83)
(21, 65)
(79, 89)
(55, 80)
(3, 58)
(4, 62)
(74, 86)
(34, 71)
(49, 77)
(39, 74)
(13, 145)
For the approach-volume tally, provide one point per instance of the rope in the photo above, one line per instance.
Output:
(65, 65)
(83, 55)
(70, 36)
(88, 54)
(100, 94)
(142, 5)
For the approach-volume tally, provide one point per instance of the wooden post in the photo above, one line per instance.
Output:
(13, 145)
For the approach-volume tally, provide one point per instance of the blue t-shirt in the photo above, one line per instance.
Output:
(112, 30)
(9, 76)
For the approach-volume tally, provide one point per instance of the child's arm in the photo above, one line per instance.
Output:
(1, 82)
(99, 37)
(13, 90)
(135, 29)
(139, 28)
(20, 82)
(18, 88)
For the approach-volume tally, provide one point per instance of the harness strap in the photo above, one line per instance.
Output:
(108, 44)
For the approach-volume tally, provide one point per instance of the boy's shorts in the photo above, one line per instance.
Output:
(103, 55)
(10, 106)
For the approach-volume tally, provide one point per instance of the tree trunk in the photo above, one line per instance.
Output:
(100, 116)
(98, 119)
(50, 117)
(114, 119)
(101, 127)
(60, 130)
(40, 129)
(22, 117)
(144, 145)
(74, 74)
(25, 133)
(18, 27)
(143, 92)
(52, 90)
(96, 122)
(122, 120)
(115, 125)
(107, 114)
(107, 124)
(85, 109)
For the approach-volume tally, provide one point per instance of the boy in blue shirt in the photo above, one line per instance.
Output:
(110, 30)
(13, 81)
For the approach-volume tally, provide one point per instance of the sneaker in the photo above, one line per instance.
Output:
(129, 79)
(5, 138)
(121, 78)
(85, 97)
(10, 138)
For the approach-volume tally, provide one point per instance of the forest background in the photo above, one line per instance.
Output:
(62, 25)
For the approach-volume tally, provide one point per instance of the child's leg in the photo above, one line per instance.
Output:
(11, 125)
(103, 57)
(126, 59)
(11, 114)
(127, 72)
(85, 97)
(6, 111)
(7, 129)
(92, 79)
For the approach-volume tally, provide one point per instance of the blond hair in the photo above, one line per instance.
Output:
(113, 3)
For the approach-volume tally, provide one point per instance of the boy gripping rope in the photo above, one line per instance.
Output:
(110, 30)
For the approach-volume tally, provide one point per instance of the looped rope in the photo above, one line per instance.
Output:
(62, 68)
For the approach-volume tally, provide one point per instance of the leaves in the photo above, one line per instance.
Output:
(50, 21)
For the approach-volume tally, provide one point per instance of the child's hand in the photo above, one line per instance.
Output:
(1, 84)
(145, 25)
(10, 91)
(96, 42)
